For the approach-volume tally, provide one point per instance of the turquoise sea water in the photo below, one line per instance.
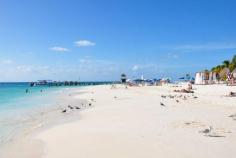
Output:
(16, 105)
(20, 111)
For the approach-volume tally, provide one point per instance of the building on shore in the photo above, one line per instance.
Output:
(206, 77)
(211, 77)
(200, 78)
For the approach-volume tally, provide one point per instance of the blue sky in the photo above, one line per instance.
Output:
(100, 39)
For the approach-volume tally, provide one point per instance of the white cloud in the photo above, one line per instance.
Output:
(7, 61)
(210, 46)
(31, 69)
(84, 43)
(59, 49)
(135, 67)
(172, 56)
(91, 66)
(85, 61)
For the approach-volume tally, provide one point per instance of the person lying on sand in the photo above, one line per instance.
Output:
(184, 91)
(187, 90)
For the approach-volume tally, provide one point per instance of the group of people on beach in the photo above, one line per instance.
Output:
(27, 90)
(186, 90)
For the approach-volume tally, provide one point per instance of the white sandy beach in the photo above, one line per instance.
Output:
(131, 123)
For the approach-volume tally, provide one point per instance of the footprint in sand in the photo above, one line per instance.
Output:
(215, 132)
(163, 96)
(208, 131)
(233, 116)
(189, 124)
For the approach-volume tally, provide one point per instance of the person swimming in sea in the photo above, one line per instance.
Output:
(27, 90)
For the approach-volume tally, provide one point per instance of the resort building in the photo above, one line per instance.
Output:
(200, 78)
(213, 78)
(206, 77)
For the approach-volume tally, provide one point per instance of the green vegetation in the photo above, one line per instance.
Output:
(231, 65)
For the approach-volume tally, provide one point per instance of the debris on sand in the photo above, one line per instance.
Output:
(214, 135)
(163, 96)
(71, 107)
(171, 96)
(216, 132)
(63, 111)
(207, 130)
(231, 94)
(162, 104)
(233, 116)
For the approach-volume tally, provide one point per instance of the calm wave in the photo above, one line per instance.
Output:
(16, 105)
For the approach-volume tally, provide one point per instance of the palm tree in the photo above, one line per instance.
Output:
(234, 60)
(222, 67)
(213, 69)
(226, 63)
(232, 66)
(218, 68)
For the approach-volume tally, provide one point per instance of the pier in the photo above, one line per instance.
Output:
(69, 83)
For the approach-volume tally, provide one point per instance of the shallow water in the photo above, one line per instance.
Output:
(19, 110)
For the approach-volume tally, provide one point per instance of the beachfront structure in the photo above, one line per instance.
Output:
(200, 78)
(147, 82)
(67, 83)
(234, 73)
(123, 78)
(213, 78)
(206, 77)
